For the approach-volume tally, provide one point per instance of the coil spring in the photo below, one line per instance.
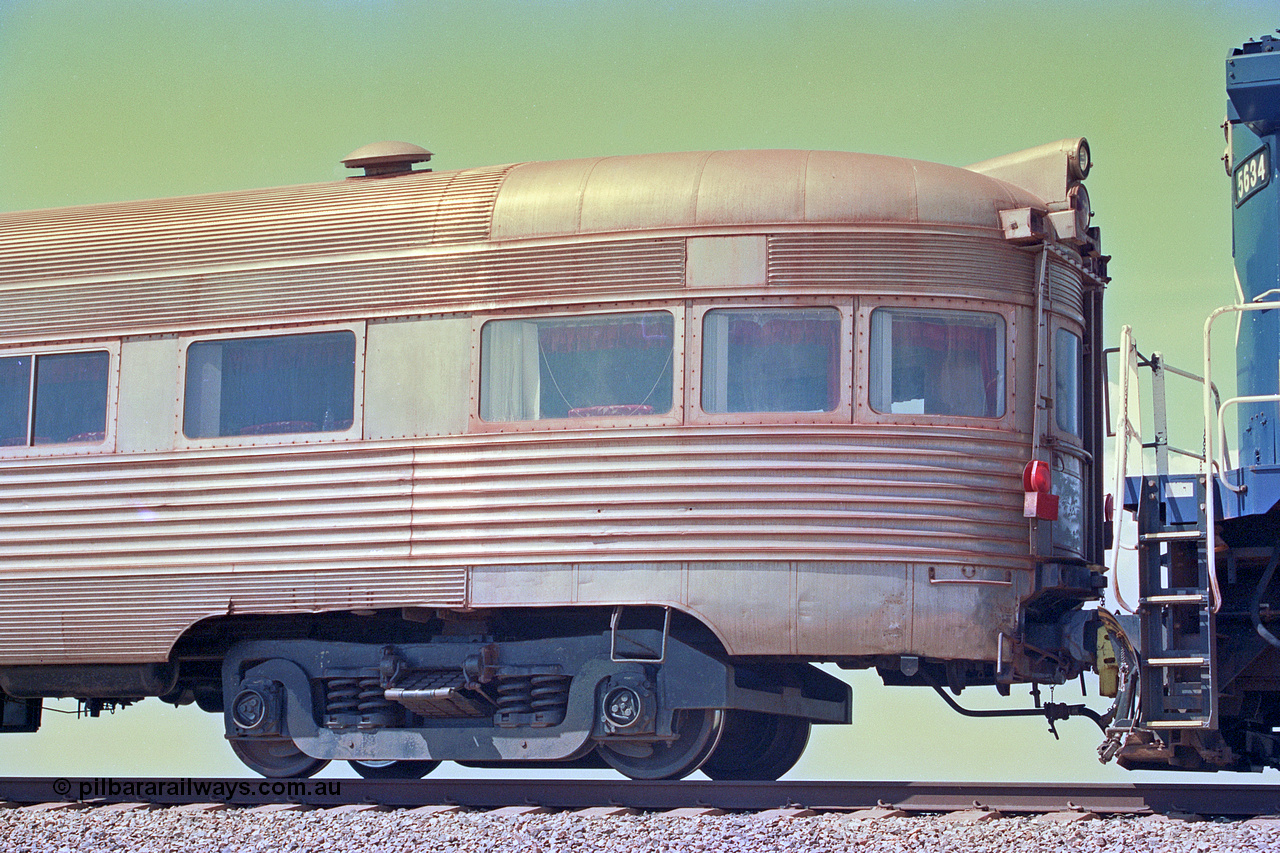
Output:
(549, 692)
(371, 698)
(342, 696)
(515, 695)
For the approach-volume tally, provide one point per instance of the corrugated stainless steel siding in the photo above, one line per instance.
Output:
(343, 289)
(900, 262)
(750, 493)
(110, 558)
(230, 229)
(1067, 290)
(105, 618)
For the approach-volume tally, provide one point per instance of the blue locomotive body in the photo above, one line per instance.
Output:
(1253, 119)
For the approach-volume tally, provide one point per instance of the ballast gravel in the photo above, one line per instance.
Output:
(241, 831)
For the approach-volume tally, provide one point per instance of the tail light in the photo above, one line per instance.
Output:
(1038, 500)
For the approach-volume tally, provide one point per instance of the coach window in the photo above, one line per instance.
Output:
(606, 365)
(1067, 369)
(53, 398)
(270, 385)
(929, 362)
(771, 360)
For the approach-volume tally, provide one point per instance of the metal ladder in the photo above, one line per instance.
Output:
(1178, 639)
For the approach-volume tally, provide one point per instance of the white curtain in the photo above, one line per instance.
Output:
(510, 384)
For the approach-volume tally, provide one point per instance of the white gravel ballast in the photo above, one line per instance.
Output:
(240, 831)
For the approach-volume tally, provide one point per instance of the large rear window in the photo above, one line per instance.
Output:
(926, 362)
(771, 360)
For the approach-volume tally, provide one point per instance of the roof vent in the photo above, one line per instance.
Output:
(386, 159)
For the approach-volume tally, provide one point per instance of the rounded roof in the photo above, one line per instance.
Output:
(728, 188)
(619, 195)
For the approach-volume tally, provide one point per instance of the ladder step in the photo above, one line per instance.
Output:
(1197, 660)
(1189, 723)
(1176, 598)
(1172, 536)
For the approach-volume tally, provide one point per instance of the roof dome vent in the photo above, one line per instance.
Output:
(387, 159)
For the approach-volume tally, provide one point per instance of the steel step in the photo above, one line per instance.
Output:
(1172, 536)
(1165, 599)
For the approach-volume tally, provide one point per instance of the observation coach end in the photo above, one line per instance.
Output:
(580, 462)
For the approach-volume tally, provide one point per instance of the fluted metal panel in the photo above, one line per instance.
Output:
(110, 559)
(204, 509)
(1066, 290)
(77, 618)
(901, 263)
(757, 493)
(230, 229)
(339, 290)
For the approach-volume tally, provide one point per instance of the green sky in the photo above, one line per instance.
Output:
(103, 101)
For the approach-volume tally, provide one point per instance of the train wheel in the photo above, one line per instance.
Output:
(757, 747)
(697, 733)
(394, 769)
(276, 758)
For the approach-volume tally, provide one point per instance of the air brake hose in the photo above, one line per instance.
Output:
(1052, 711)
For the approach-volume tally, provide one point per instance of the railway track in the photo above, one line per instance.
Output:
(1232, 801)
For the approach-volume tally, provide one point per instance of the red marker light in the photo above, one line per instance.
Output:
(1036, 477)
(1038, 501)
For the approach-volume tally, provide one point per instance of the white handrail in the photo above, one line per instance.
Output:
(1125, 430)
(1222, 433)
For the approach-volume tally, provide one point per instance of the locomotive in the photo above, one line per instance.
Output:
(579, 464)
(1198, 655)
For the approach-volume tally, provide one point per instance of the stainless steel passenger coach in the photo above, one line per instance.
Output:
(569, 462)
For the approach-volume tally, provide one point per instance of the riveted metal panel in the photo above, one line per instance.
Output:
(867, 606)
(414, 374)
(726, 261)
(148, 409)
(785, 540)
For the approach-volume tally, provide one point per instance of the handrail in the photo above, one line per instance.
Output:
(1211, 412)
(1222, 434)
(1125, 430)
(1149, 362)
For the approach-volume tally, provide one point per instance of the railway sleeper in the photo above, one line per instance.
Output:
(294, 703)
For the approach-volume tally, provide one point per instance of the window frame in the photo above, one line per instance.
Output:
(843, 411)
(865, 413)
(108, 443)
(355, 431)
(1056, 328)
(675, 417)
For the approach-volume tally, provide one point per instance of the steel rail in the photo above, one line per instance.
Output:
(1227, 800)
